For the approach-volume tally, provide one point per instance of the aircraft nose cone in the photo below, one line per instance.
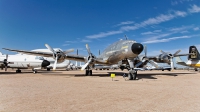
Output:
(45, 63)
(137, 48)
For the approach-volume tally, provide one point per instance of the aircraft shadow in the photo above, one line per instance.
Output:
(139, 76)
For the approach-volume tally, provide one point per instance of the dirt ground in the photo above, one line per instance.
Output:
(69, 91)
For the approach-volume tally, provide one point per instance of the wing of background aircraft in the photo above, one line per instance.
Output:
(60, 56)
(180, 62)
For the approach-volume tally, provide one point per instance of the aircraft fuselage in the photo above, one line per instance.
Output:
(121, 50)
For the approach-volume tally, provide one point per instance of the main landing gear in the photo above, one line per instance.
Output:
(34, 71)
(88, 72)
(132, 75)
(18, 71)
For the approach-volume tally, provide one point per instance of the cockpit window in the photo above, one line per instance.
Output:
(39, 58)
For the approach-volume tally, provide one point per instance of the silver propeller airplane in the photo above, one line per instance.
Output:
(123, 51)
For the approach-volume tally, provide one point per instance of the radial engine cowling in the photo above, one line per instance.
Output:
(60, 56)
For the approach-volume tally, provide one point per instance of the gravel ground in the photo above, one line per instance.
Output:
(177, 91)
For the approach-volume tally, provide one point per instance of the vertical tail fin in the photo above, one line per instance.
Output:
(1, 53)
(194, 53)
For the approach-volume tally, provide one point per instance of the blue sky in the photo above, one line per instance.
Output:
(167, 25)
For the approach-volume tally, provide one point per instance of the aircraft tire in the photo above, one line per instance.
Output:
(18, 71)
(130, 76)
(90, 72)
(34, 71)
(86, 72)
(134, 76)
(48, 69)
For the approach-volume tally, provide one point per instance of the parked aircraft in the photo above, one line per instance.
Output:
(123, 50)
(193, 58)
(23, 62)
(164, 57)
(63, 64)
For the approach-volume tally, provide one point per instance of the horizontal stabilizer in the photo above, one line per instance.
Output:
(179, 61)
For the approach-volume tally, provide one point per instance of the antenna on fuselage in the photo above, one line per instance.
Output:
(126, 37)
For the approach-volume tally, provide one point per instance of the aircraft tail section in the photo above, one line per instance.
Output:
(1, 53)
(194, 53)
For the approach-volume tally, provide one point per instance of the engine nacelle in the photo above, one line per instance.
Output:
(163, 58)
(60, 56)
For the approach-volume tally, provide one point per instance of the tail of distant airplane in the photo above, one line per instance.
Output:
(1, 53)
(194, 53)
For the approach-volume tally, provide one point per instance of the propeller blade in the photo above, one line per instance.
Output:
(172, 64)
(153, 63)
(84, 66)
(88, 49)
(68, 51)
(176, 52)
(50, 48)
(7, 57)
(163, 52)
(138, 64)
(145, 51)
(77, 52)
(54, 66)
(6, 62)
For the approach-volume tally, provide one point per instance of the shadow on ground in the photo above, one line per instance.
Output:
(140, 75)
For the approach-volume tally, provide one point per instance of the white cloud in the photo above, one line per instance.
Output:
(174, 2)
(196, 28)
(179, 29)
(158, 19)
(165, 40)
(86, 40)
(194, 9)
(103, 34)
(184, 31)
(125, 23)
(150, 33)
(148, 22)
(70, 41)
(159, 36)
(65, 44)
(157, 31)
(147, 33)
(180, 13)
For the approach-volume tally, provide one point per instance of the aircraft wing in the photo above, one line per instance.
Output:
(49, 54)
(36, 53)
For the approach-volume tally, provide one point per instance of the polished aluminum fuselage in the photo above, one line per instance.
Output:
(118, 51)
